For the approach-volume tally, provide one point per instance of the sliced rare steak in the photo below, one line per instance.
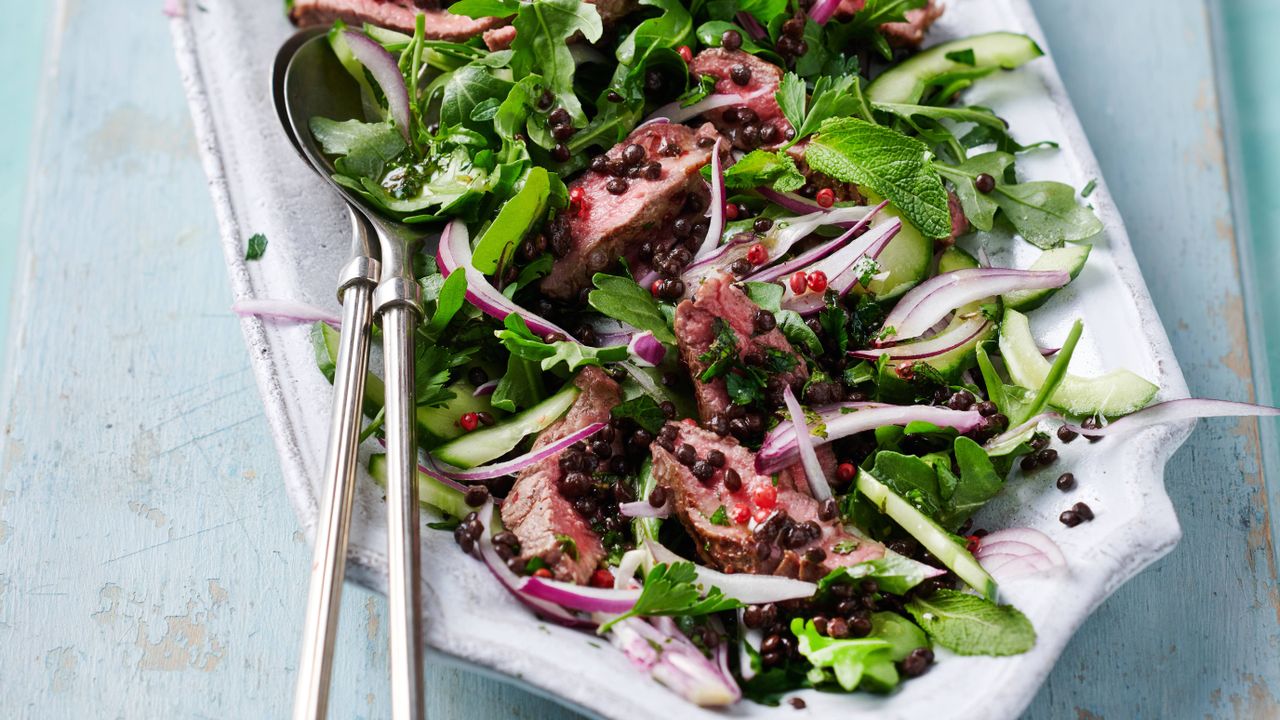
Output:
(758, 121)
(441, 24)
(718, 304)
(618, 210)
(394, 14)
(908, 34)
(743, 522)
(535, 510)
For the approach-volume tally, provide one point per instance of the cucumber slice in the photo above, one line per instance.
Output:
(480, 446)
(1070, 258)
(956, 258)
(1119, 392)
(906, 258)
(937, 541)
(431, 492)
(907, 81)
(436, 425)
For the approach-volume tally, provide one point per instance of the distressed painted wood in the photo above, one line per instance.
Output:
(150, 565)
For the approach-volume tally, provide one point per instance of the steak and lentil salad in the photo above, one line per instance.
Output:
(710, 362)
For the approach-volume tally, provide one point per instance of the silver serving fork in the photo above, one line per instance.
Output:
(307, 82)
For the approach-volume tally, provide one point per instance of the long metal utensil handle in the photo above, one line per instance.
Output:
(329, 559)
(397, 299)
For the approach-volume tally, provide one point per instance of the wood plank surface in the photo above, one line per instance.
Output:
(150, 565)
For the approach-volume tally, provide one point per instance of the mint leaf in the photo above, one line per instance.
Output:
(673, 590)
(622, 298)
(969, 625)
(761, 167)
(891, 164)
(256, 247)
(644, 410)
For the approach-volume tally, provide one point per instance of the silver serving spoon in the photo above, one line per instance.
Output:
(308, 81)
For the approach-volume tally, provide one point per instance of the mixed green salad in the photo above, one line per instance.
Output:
(712, 361)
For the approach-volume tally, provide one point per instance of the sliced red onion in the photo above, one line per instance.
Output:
(646, 350)
(780, 449)
(819, 252)
(818, 485)
(385, 70)
(743, 587)
(751, 25)
(485, 388)
(673, 112)
(1175, 410)
(642, 509)
(632, 560)
(785, 233)
(653, 121)
(1018, 551)
(581, 597)
(455, 253)
(715, 225)
(930, 301)
(514, 583)
(286, 310)
(845, 268)
(939, 344)
(515, 465)
(675, 662)
(1164, 412)
(822, 10)
(175, 8)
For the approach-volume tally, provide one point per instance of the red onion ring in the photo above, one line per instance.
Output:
(818, 485)
(646, 350)
(842, 267)
(384, 69)
(285, 310)
(930, 301)
(515, 465)
(939, 344)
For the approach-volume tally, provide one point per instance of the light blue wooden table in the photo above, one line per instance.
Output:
(150, 565)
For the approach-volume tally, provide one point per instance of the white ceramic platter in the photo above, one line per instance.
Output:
(225, 50)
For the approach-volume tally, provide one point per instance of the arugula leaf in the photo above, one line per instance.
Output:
(622, 298)
(978, 482)
(910, 477)
(710, 33)
(541, 46)
(644, 410)
(969, 625)
(517, 216)
(761, 167)
(518, 339)
(484, 8)
(453, 292)
(674, 27)
(1045, 214)
(362, 149)
(891, 164)
(256, 247)
(520, 387)
(763, 10)
(467, 89)
(848, 660)
(673, 590)
(894, 573)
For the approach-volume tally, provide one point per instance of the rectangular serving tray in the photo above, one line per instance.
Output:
(224, 52)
